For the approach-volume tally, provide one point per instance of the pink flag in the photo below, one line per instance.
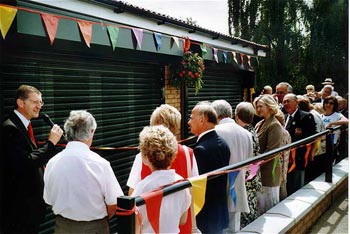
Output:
(138, 33)
(253, 170)
(51, 23)
(86, 31)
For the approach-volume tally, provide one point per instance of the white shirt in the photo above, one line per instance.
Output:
(24, 120)
(80, 183)
(327, 119)
(240, 142)
(135, 173)
(172, 207)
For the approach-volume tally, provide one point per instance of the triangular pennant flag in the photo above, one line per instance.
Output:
(86, 31)
(187, 44)
(306, 157)
(232, 176)
(292, 157)
(253, 169)
(275, 161)
(242, 58)
(224, 53)
(7, 15)
(215, 55)
(234, 57)
(158, 40)
(153, 201)
(113, 35)
(138, 33)
(51, 23)
(199, 186)
(204, 50)
(249, 64)
(174, 40)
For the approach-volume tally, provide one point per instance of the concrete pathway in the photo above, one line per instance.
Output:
(335, 220)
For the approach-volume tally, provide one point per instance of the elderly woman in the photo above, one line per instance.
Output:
(244, 115)
(184, 163)
(270, 135)
(158, 149)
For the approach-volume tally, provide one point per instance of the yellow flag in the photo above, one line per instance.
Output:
(7, 15)
(199, 185)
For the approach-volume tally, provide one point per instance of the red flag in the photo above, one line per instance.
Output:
(86, 31)
(153, 200)
(51, 23)
(187, 44)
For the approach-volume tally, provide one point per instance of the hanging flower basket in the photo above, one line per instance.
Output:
(189, 72)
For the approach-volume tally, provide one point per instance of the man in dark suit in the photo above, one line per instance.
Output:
(299, 124)
(211, 153)
(23, 207)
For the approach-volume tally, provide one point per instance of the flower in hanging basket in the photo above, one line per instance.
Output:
(189, 71)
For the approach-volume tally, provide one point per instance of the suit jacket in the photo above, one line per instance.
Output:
(306, 122)
(211, 153)
(22, 174)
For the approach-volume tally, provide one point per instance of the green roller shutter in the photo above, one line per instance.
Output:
(221, 81)
(121, 95)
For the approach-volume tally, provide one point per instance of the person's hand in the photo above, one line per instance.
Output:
(55, 134)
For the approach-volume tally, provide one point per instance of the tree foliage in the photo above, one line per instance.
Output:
(308, 40)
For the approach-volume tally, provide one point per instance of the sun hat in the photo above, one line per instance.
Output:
(328, 81)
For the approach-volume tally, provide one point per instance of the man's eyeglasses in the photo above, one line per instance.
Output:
(36, 102)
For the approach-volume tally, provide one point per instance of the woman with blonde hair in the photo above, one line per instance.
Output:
(270, 135)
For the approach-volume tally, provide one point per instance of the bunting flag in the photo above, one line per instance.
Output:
(51, 24)
(275, 161)
(174, 40)
(215, 55)
(306, 156)
(153, 201)
(199, 186)
(232, 176)
(7, 15)
(138, 33)
(158, 40)
(204, 50)
(249, 64)
(242, 57)
(253, 169)
(113, 35)
(292, 154)
(187, 44)
(234, 57)
(224, 53)
(86, 30)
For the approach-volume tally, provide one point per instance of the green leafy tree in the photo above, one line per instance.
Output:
(292, 29)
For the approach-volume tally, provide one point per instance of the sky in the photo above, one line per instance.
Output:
(209, 14)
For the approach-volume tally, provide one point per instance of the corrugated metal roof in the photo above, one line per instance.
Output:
(121, 7)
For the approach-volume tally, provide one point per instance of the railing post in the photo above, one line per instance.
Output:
(126, 218)
(329, 158)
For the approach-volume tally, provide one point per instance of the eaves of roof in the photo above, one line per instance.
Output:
(121, 7)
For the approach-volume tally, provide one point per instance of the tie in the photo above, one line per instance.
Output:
(31, 134)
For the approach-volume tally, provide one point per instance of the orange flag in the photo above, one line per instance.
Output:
(187, 44)
(51, 23)
(86, 31)
(306, 157)
(199, 186)
(7, 15)
(292, 151)
(153, 200)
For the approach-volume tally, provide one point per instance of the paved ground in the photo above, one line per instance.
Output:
(335, 220)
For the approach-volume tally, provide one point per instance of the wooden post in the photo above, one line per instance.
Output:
(329, 158)
(126, 221)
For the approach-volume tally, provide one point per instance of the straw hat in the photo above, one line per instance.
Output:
(328, 81)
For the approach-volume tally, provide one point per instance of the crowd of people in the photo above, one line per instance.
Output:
(81, 188)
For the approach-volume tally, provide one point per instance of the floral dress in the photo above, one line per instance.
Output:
(253, 185)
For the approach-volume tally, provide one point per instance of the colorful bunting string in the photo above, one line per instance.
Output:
(7, 15)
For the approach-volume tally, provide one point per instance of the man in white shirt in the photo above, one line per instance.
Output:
(79, 184)
(240, 143)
